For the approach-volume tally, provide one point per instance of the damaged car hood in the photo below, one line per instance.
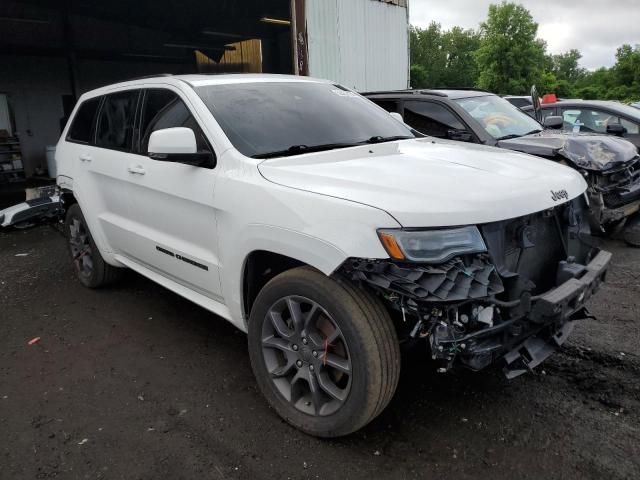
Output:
(592, 152)
(429, 183)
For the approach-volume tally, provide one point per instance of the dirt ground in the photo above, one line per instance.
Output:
(133, 382)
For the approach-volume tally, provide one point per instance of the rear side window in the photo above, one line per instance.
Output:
(165, 109)
(388, 105)
(81, 129)
(117, 120)
(431, 118)
(519, 102)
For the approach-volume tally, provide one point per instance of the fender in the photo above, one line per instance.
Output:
(302, 247)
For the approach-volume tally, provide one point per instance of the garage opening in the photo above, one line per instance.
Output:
(53, 51)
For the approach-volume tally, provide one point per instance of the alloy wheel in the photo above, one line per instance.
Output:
(81, 247)
(306, 356)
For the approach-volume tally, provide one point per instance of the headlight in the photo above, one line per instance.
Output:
(432, 246)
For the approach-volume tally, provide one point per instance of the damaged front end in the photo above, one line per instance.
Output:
(610, 165)
(614, 193)
(515, 302)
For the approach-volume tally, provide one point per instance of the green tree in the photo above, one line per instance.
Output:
(627, 68)
(427, 52)
(460, 47)
(443, 58)
(510, 57)
(566, 66)
(418, 76)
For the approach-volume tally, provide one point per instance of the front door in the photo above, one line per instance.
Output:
(172, 203)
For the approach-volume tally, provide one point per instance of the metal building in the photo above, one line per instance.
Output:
(51, 51)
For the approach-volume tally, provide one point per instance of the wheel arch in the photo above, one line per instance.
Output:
(260, 267)
(274, 251)
(67, 198)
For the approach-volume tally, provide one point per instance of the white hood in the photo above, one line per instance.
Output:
(427, 183)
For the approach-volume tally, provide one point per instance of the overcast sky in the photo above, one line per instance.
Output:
(595, 27)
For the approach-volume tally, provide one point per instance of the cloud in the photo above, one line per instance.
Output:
(595, 27)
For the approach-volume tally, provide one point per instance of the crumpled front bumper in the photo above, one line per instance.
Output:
(555, 312)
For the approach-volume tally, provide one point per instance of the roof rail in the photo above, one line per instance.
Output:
(470, 89)
(417, 91)
(150, 76)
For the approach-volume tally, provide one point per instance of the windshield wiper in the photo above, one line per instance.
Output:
(515, 135)
(301, 149)
(380, 139)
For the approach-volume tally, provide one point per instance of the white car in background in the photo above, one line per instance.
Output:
(310, 218)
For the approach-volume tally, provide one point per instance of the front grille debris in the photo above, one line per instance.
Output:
(452, 281)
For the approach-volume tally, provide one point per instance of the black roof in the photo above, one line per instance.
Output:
(452, 93)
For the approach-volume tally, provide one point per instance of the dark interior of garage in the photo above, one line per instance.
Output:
(53, 51)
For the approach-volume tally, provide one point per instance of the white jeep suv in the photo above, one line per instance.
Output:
(310, 218)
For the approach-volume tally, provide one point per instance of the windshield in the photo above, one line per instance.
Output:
(267, 118)
(498, 117)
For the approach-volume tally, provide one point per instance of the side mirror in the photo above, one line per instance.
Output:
(555, 122)
(460, 135)
(178, 145)
(397, 116)
(616, 129)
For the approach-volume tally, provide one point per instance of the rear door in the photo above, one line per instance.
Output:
(101, 176)
(172, 203)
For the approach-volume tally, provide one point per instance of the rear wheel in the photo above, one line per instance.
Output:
(90, 267)
(323, 351)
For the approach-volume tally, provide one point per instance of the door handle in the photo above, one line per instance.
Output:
(136, 170)
(85, 157)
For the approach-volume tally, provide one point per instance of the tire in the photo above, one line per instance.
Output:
(348, 330)
(632, 231)
(90, 267)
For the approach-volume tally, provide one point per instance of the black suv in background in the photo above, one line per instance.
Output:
(611, 165)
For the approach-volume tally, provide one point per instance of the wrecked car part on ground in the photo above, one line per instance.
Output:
(47, 208)
(516, 301)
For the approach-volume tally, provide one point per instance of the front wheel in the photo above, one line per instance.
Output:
(324, 352)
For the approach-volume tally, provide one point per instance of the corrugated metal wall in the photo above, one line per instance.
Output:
(362, 44)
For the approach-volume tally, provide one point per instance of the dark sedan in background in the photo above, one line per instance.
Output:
(595, 116)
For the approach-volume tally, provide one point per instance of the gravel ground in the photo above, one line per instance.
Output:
(133, 382)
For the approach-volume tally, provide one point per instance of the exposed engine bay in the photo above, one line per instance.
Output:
(515, 303)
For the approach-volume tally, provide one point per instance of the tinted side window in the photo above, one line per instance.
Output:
(431, 118)
(81, 129)
(519, 102)
(165, 109)
(117, 120)
(388, 105)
